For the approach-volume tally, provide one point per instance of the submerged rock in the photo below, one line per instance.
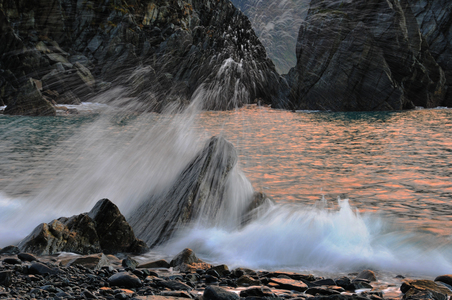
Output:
(102, 229)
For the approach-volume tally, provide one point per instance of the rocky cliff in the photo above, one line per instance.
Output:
(363, 56)
(162, 51)
(434, 18)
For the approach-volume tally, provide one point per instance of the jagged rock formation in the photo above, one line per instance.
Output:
(103, 229)
(199, 190)
(162, 50)
(197, 195)
(362, 56)
(435, 22)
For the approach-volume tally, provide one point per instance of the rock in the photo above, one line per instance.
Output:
(10, 250)
(289, 284)
(368, 275)
(186, 256)
(201, 194)
(129, 262)
(180, 294)
(93, 262)
(217, 293)
(320, 282)
(12, 261)
(291, 275)
(246, 280)
(319, 290)
(115, 234)
(447, 279)
(41, 269)
(125, 279)
(29, 101)
(68, 98)
(344, 282)
(257, 291)
(26, 257)
(6, 278)
(347, 60)
(103, 229)
(155, 264)
(175, 285)
(436, 289)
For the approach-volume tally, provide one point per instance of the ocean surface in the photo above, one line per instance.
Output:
(351, 190)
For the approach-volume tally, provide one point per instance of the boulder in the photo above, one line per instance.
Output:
(424, 289)
(246, 280)
(10, 250)
(93, 262)
(129, 262)
(257, 291)
(125, 279)
(289, 284)
(12, 261)
(103, 229)
(367, 275)
(6, 278)
(41, 269)
(198, 191)
(26, 257)
(447, 279)
(154, 264)
(186, 256)
(217, 293)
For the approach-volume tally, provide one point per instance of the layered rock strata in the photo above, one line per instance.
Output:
(364, 56)
(163, 51)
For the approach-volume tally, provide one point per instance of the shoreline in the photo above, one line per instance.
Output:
(120, 276)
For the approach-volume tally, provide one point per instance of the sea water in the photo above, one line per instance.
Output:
(351, 190)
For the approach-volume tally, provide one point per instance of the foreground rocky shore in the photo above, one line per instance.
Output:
(99, 276)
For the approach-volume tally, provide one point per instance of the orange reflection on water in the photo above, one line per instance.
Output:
(396, 163)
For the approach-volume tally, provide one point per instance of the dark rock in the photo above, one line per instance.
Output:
(291, 275)
(222, 270)
(125, 279)
(368, 275)
(129, 262)
(93, 262)
(29, 101)
(6, 278)
(115, 234)
(434, 288)
(41, 269)
(246, 280)
(447, 279)
(213, 273)
(180, 294)
(343, 282)
(319, 290)
(200, 194)
(363, 56)
(103, 229)
(175, 285)
(12, 261)
(186, 256)
(155, 264)
(320, 282)
(257, 291)
(26, 257)
(68, 98)
(290, 284)
(217, 293)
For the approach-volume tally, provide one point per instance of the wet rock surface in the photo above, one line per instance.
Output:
(53, 278)
(365, 56)
(104, 228)
(162, 52)
(198, 191)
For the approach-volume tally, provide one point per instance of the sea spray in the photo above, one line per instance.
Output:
(317, 239)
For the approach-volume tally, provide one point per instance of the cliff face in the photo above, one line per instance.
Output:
(363, 56)
(163, 51)
(435, 22)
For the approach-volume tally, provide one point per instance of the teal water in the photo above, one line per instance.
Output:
(392, 172)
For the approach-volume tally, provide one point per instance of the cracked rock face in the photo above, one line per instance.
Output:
(364, 56)
(193, 47)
